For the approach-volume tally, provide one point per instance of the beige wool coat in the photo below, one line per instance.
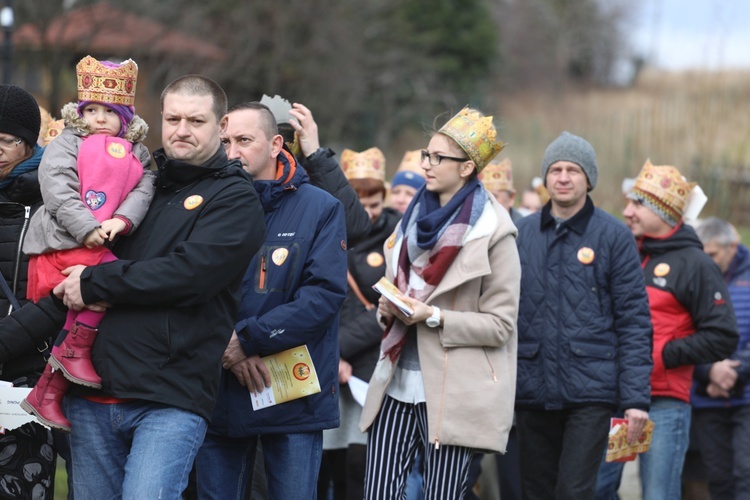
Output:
(469, 364)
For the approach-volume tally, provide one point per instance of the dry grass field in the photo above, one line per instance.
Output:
(698, 122)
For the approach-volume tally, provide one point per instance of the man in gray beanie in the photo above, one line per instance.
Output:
(574, 149)
(584, 330)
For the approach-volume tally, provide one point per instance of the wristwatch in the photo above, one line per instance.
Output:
(434, 320)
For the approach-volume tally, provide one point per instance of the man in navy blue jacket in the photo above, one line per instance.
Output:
(291, 296)
(584, 332)
(721, 393)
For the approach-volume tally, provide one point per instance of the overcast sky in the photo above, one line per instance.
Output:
(690, 34)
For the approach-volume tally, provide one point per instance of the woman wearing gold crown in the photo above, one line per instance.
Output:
(95, 184)
(446, 377)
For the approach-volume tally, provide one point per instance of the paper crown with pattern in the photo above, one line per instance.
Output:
(54, 129)
(498, 176)
(476, 134)
(412, 162)
(114, 84)
(368, 164)
(662, 189)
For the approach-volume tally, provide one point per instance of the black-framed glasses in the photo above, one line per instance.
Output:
(435, 158)
(8, 144)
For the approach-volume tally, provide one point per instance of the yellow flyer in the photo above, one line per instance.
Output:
(293, 376)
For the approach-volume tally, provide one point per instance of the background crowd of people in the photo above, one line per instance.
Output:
(156, 288)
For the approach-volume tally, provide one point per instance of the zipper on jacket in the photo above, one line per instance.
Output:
(22, 235)
(263, 271)
(492, 370)
(442, 399)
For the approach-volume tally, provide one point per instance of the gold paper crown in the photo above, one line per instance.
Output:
(498, 176)
(46, 120)
(664, 189)
(368, 164)
(100, 83)
(54, 129)
(475, 134)
(412, 162)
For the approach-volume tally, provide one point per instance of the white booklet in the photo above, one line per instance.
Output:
(12, 415)
(390, 292)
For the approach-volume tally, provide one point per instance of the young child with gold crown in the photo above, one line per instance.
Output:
(96, 184)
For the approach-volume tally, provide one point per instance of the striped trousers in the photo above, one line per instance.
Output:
(398, 432)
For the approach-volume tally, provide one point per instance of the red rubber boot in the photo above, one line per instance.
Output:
(73, 357)
(45, 399)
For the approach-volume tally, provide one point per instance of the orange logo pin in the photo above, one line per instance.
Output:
(374, 259)
(391, 241)
(116, 150)
(661, 269)
(586, 255)
(192, 202)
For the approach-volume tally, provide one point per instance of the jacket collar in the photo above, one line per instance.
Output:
(740, 264)
(680, 237)
(177, 173)
(289, 176)
(577, 223)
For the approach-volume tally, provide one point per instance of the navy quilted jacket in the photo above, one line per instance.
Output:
(584, 329)
(737, 278)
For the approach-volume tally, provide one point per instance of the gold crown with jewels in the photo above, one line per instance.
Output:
(101, 83)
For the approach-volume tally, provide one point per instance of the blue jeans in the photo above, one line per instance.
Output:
(136, 449)
(224, 465)
(661, 465)
(414, 486)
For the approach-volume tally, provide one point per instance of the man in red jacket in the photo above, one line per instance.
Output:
(693, 323)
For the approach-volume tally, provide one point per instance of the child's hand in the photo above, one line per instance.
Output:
(112, 227)
(95, 238)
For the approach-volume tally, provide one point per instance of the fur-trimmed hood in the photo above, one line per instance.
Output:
(135, 132)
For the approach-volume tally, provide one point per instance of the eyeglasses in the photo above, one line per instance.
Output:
(8, 145)
(435, 158)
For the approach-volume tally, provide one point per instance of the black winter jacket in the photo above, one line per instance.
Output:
(175, 291)
(26, 333)
(359, 331)
(325, 173)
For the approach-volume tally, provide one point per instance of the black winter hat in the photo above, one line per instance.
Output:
(19, 113)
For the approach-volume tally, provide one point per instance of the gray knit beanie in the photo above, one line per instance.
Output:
(569, 147)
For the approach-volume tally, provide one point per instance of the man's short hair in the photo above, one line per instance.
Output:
(718, 231)
(267, 120)
(198, 85)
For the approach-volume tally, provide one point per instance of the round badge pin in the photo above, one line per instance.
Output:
(661, 269)
(192, 202)
(116, 150)
(374, 259)
(586, 255)
(391, 241)
(279, 256)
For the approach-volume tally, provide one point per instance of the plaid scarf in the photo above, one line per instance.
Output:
(431, 236)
